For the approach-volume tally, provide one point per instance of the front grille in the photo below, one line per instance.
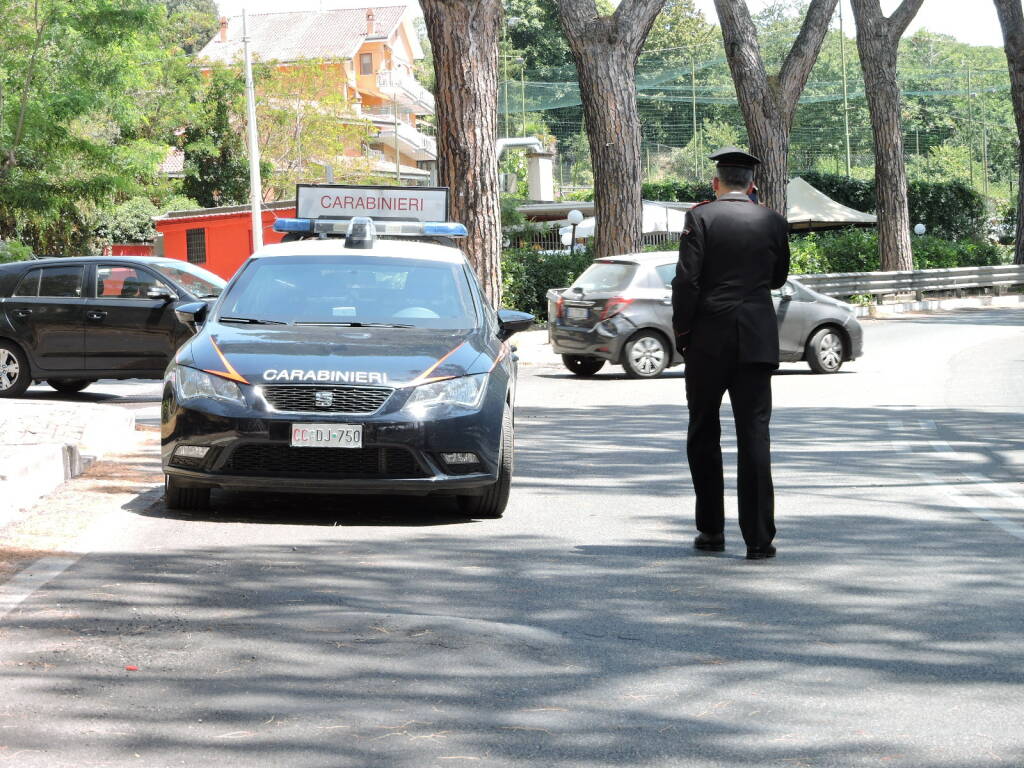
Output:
(285, 461)
(304, 398)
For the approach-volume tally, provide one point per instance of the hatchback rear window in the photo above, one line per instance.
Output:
(605, 276)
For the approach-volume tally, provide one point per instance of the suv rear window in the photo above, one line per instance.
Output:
(606, 276)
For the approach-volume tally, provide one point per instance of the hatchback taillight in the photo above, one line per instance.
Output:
(615, 306)
(560, 306)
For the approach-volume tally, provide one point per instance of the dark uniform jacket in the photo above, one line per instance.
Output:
(732, 253)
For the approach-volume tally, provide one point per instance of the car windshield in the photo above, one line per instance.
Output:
(196, 280)
(605, 276)
(352, 290)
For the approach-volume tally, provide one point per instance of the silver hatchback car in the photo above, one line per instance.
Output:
(619, 311)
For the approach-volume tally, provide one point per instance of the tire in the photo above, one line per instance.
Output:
(583, 366)
(187, 499)
(645, 355)
(69, 386)
(826, 350)
(15, 375)
(490, 505)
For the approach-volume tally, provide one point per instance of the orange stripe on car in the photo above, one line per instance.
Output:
(229, 371)
(501, 355)
(424, 377)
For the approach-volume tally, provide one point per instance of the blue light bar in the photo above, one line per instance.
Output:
(293, 225)
(445, 228)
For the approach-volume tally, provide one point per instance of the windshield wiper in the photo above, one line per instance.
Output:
(355, 324)
(251, 321)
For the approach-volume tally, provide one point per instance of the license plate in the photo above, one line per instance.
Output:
(577, 313)
(327, 435)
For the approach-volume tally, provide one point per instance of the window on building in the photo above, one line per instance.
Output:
(195, 245)
(366, 64)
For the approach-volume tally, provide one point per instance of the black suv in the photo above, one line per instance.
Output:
(72, 321)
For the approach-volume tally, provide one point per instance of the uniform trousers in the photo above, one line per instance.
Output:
(708, 378)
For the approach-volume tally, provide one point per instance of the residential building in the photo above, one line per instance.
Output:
(373, 52)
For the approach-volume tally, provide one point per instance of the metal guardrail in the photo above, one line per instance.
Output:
(842, 284)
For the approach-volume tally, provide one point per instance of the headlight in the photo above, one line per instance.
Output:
(463, 392)
(190, 383)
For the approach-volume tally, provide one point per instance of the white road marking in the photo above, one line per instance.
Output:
(986, 514)
(21, 587)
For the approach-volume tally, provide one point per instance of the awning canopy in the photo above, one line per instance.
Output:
(658, 217)
(810, 209)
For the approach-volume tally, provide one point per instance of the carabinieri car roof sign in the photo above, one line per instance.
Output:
(340, 201)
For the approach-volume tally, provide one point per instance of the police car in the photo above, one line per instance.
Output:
(356, 357)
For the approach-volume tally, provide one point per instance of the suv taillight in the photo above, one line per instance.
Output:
(614, 306)
(560, 306)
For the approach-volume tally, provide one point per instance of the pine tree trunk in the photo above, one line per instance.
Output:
(464, 37)
(1011, 19)
(769, 104)
(607, 89)
(605, 49)
(878, 40)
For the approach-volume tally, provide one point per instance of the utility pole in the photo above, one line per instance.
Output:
(984, 158)
(846, 104)
(255, 183)
(398, 157)
(970, 124)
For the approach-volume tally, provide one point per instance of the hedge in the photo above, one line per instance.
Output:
(949, 209)
(856, 250)
(527, 275)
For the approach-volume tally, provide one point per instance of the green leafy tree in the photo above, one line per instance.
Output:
(216, 164)
(68, 75)
(191, 23)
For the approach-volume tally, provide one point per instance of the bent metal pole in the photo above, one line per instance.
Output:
(255, 184)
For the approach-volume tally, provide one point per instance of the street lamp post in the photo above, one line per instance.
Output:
(575, 217)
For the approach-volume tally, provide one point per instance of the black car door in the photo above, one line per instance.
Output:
(46, 310)
(125, 329)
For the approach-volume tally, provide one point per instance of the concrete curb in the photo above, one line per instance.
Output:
(940, 305)
(36, 461)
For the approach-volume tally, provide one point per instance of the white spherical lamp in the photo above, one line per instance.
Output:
(920, 229)
(575, 217)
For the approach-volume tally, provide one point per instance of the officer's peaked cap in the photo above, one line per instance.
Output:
(735, 157)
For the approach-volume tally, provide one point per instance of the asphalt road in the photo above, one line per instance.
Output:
(581, 629)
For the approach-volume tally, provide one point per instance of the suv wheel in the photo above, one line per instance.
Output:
(69, 386)
(645, 355)
(825, 351)
(583, 366)
(15, 375)
(491, 503)
(189, 499)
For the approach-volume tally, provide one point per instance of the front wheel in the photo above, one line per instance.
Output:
(15, 375)
(490, 505)
(825, 351)
(582, 366)
(645, 355)
(69, 386)
(188, 499)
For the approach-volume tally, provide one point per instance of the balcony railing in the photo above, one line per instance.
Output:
(420, 146)
(406, 91)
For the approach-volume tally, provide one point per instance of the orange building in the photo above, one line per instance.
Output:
(373, 51)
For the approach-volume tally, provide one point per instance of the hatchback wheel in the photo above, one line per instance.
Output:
(583, 366)
(825, 351)
(69, 386)
(645, 355)
(14, 372)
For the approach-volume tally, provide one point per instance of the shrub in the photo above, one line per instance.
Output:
(528, 275)
(677, 190)
(12, 250)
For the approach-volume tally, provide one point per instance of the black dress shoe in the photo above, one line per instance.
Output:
(760, 553)
(710, 543)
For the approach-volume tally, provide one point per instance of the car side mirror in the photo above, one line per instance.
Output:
(192, 314)
(787, 292)
(511, 322)
(157, 292)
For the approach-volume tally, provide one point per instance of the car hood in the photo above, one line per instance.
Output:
(394, 357)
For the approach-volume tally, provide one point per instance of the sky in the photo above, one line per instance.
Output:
(978, 25)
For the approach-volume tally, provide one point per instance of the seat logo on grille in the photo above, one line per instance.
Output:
(324, 399)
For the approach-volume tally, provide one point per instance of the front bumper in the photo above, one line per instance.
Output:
(250, 450)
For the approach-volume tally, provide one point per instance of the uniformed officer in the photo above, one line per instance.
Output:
(731, 254)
